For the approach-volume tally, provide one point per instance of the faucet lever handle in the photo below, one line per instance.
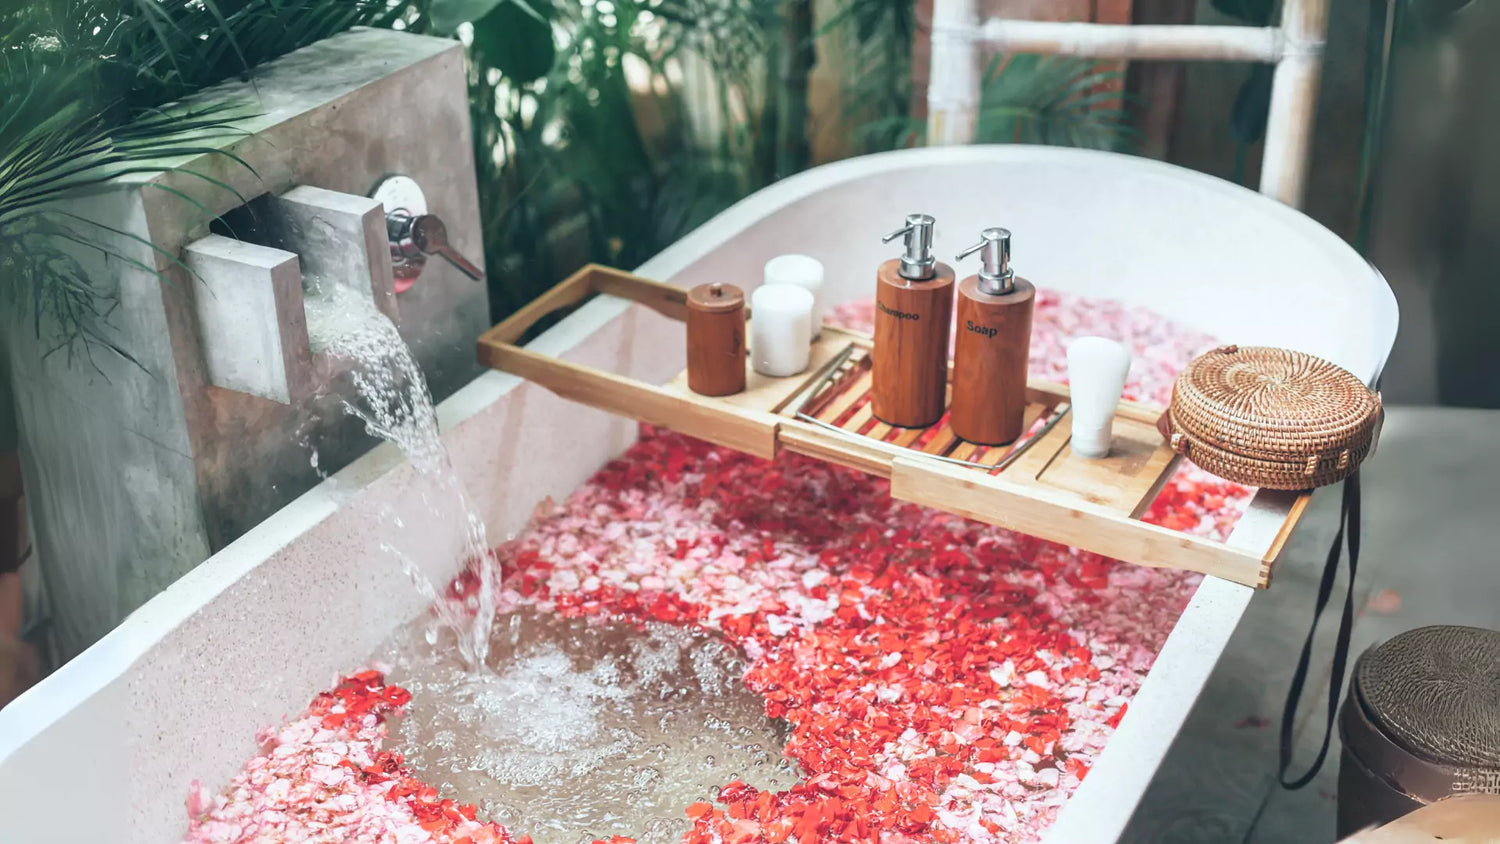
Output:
(413, 238)
(431, 236)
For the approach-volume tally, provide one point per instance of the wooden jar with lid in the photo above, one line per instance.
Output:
(993, 346)
(913, 317)
(716, 339)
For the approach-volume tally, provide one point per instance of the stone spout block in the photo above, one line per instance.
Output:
(250, 318)
(340, 237)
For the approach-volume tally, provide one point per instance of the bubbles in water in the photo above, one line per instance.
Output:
(585, 728)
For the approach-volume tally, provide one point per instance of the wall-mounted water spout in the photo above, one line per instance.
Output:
(341, 239)
(251, 319)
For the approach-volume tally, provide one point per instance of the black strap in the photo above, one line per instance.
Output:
(1348, 528)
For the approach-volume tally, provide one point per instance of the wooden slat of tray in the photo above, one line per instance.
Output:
(833, 399)
(906, 436)
(750, 431)
(943, 442)
(964, 451)
(994, 454)
(860, 419)
(1029, 416)
(1057, 516)
(1132, 473)
(845, 400)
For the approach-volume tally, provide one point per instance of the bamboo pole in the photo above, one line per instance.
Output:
(1294, 101)
(953, 86)
(1119, 41)
(1296, 48)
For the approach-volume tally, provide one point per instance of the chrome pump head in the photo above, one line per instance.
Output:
(995, 275)
(917, 261)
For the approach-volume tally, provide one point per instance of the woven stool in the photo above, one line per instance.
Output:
(1421, 722)
(1272, 418)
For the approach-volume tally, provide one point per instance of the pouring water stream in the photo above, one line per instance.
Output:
(394, 404)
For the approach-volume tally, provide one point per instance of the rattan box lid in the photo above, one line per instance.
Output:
(1436, 691)
(1272, 417)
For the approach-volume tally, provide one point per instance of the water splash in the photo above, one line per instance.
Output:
(585, 728)
(392, 400)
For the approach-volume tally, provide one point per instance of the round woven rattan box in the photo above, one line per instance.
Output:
(1272, 418)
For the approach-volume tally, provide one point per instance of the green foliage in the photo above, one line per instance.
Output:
(876, 37)
(577, 163)
(142, 53)
(603, 131)
(516, 40)
(1024, 98)
(53, 145)
(448, 15)
(1033, 99)
(83, 85)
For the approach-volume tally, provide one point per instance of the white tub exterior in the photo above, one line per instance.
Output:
(105, 749)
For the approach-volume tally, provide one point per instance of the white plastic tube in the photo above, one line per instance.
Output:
(780, 329)
(803, 271)
(1096, 374)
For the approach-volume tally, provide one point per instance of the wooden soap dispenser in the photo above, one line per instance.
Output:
(913, 318)
(994, 342)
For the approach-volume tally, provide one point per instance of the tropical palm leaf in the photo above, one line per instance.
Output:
(1034, 99)
(176, 47)
(51, 163)
(82, 87)
(875, 38)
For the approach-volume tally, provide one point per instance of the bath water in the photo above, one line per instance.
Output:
(585, 728)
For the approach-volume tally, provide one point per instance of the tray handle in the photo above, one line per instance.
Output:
(665, 299)
(743, 429)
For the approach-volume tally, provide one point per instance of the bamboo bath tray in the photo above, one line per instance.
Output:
(1037, 486)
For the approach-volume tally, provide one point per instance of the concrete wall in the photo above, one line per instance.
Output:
(135, 474)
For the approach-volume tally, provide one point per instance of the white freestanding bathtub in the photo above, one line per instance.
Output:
(105, 748)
